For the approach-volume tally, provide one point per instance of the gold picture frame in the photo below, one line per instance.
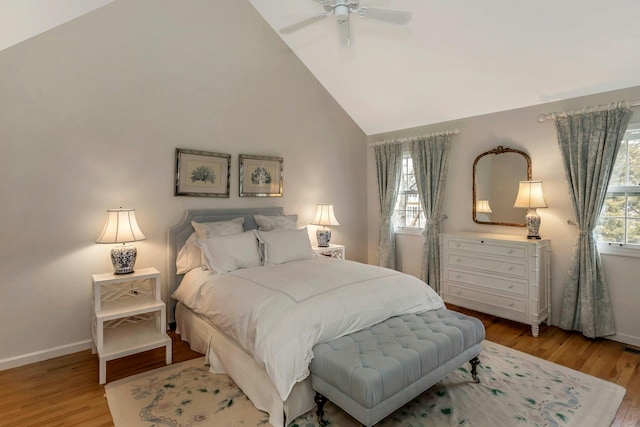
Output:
(261, 176)
(202, 173)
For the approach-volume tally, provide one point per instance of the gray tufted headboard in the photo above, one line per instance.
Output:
(179, 233)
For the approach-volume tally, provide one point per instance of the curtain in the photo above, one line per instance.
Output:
(389, 167)
(430, 158)
(589, 143)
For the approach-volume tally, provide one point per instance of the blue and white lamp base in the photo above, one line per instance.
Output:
(323, 236)
(123, 258)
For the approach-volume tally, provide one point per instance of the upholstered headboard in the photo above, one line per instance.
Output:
(179, 233)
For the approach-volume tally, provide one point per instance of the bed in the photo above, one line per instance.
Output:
(269, 360)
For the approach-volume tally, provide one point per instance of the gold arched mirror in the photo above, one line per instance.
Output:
(496, 175)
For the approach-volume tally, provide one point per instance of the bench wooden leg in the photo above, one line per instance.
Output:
(474, 369)
(320, 401)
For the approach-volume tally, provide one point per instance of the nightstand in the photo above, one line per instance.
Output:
(332, 251)
(128, 316)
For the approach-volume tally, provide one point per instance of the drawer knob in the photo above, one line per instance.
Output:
(481, 241)
(510, 286)
(458, 260)
(510, 251)
(458, 293)
(510, 268)
(458, 276)
(510, 304)
(457, 245)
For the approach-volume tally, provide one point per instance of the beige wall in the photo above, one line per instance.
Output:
(91, 113)
(519, 129)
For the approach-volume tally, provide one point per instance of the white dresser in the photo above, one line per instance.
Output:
(506, 276)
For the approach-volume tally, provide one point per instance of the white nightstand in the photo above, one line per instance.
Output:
(128, 316)
(333, 251)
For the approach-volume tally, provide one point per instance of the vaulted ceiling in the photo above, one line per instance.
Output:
(454, 59)
(457, 59)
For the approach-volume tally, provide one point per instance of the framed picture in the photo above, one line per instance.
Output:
(260, 176)
(202, 173)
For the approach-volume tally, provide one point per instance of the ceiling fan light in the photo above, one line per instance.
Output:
(341, 12)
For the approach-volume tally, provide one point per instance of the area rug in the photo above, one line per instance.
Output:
(516, 389)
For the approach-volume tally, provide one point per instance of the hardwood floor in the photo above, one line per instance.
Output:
(65, 392)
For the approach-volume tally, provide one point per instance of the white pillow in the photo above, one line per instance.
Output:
(277, 222)
(282, 246)
(206, 230)
(232, 252)
(189, 257)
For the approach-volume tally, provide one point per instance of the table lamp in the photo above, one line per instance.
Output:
(530, 197)
(324, 217)
(121, 227)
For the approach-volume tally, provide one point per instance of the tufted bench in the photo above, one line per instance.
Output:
(373, 372)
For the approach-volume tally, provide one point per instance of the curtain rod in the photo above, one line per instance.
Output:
(552, 116)
(403, 139)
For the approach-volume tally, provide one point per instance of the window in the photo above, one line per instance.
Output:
(408, 213)
(619, 222)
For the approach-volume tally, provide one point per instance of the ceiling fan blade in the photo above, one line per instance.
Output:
(387, 15)
(344, 34)
(299, 25)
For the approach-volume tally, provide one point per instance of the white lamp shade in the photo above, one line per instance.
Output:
(324, 215)
(121, 227)
(482, 206)
(530, 195)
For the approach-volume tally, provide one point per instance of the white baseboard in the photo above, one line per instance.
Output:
(39, 356)
(625, 339)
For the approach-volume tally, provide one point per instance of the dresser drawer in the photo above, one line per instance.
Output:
(491, 283)
(487, 247)
(494, 265)
(516, 305)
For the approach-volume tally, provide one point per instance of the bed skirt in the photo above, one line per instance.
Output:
(225, 356)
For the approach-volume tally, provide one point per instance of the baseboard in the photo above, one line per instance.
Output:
(39, 356)
(625, 339)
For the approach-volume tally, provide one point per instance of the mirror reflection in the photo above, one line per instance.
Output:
(496, 175)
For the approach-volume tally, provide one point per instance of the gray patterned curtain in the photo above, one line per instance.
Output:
(589, 143)
(430, 156)
(389, 167)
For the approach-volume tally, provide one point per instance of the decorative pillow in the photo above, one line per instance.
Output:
(206, 230)
(189, 257)
(231, 252)
(277, 222)
(282, 246)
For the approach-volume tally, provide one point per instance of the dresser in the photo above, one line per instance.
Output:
(503, 275)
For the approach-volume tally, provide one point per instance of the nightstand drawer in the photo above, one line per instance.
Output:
(492, 265)
(491, 283)
(487, 247)
(516, 305)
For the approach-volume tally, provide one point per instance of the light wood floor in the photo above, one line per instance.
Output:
(65, 391)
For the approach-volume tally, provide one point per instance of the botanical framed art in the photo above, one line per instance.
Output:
(202, 173)
(260, 176)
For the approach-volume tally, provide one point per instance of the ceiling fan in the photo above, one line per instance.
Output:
(341, 9)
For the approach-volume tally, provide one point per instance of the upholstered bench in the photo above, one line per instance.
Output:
(373, 372)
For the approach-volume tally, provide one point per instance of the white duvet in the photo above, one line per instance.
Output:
(279, 312)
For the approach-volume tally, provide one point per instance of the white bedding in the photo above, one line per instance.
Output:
(277, 313)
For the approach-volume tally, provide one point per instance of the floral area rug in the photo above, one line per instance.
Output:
(516, 389)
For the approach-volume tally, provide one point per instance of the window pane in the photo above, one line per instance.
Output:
(619, 173)
(633, 206)
(633, 229)
(613, 205)
(408, 211)
(634, 162)
(610, 230)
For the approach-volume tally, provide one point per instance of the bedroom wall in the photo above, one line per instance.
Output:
(519, 129)
(90, 117)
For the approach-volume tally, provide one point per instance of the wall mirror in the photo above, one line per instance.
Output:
(496, 176)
